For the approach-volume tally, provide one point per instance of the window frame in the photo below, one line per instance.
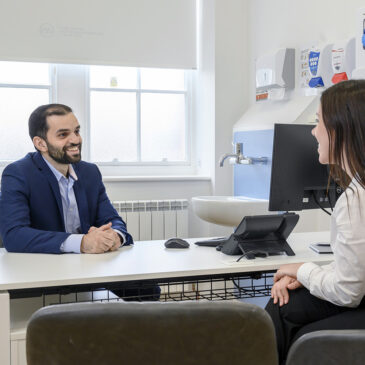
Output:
(52, 94)
(139, 91)
(59, 93)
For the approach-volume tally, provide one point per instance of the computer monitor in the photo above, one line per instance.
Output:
(298, 180)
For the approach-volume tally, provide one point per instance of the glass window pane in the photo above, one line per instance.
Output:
(163, 127)
(162, 79)
(16, 106)
(24, 73)
(113, 77)
(113, 130)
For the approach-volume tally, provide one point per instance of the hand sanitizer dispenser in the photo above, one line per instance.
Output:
(275, 71)
(320, 67)
(343, 60)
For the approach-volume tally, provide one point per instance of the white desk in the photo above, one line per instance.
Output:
(146, 260)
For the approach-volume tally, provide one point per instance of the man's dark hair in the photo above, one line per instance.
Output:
(38, 119)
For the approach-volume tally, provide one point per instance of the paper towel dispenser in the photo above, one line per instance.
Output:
(343, 60)
(276, 70)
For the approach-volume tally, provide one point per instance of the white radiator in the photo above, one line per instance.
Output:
(154, 219)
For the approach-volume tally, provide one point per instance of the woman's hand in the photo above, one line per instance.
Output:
(287, 270)
(279, 291)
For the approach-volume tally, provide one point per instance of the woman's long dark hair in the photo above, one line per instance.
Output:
(343, 112)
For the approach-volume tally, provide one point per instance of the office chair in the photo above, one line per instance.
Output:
(185, 333)
(328, 347)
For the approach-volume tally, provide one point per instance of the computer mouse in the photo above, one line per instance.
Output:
(176, 243)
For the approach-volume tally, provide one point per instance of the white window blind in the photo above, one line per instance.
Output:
(141, 33)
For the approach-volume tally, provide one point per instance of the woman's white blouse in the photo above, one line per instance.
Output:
(343, 281)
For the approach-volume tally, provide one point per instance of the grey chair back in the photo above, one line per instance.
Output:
(329, 347)
(196, 333)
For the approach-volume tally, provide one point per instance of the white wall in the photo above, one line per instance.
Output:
(288, 23)
(231, 78)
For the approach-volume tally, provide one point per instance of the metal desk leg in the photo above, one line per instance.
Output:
(4, 328)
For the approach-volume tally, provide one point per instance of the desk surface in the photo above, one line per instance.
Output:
(145, 260)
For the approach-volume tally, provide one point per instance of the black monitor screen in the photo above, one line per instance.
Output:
(298, 180)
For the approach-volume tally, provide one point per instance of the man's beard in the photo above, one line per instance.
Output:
(60, 155)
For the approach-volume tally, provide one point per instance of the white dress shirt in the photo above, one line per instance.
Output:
(342, 282)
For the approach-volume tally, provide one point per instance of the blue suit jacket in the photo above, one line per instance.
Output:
(31, 215)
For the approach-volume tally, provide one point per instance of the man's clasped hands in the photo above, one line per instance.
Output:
(99, 240)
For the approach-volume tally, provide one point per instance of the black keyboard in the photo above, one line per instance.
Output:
(212, 243)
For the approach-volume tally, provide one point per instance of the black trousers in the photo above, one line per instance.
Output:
(306, 313)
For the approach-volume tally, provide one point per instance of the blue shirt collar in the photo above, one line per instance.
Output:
(58, 175)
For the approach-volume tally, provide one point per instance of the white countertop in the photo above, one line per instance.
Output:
(145, 260)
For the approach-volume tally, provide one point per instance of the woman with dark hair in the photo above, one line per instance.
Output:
(331, 296)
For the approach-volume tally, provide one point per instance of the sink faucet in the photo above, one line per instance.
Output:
(237, 155)
(240, 158)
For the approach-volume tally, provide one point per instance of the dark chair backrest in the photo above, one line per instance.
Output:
(151, 333)
(337, 347)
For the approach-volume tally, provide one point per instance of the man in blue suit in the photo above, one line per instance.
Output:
(51, 201)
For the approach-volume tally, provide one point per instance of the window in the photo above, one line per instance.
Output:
(141, 113)
(133, 121)
(23, 87)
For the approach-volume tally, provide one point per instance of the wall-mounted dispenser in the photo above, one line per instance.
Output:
(343, 60)
(359, 72)
(320, 66)
(275, 73)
